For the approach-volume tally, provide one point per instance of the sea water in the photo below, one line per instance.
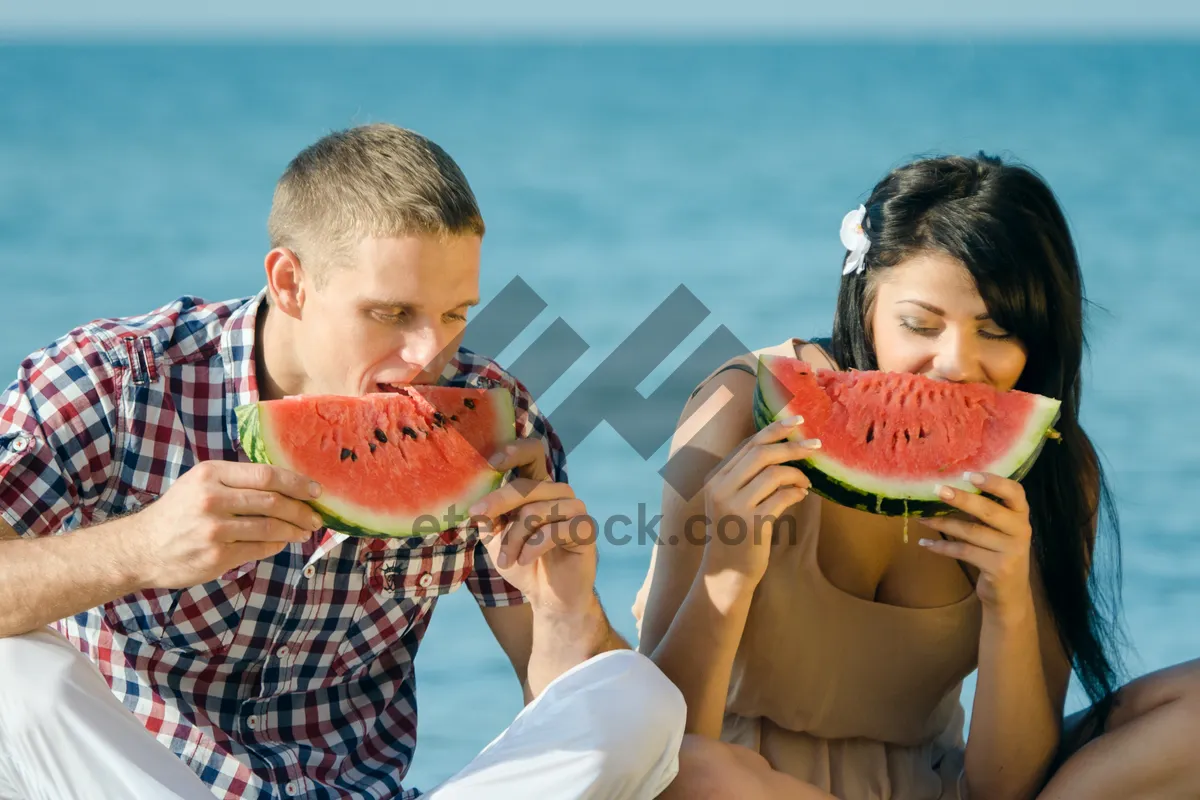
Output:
(609, 175)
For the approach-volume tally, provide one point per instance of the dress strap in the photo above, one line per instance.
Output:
(823, 342)
(789, 348)
(725, 368)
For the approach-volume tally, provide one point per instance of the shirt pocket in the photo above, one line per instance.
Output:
(197, 620)
(395, 590)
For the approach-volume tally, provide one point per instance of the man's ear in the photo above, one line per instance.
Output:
(286, 281)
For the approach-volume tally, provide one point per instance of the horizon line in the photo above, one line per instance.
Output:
(541, 34)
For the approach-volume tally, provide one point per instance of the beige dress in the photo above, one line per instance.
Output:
(858, 698)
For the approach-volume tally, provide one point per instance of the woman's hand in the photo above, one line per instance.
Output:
(992, 536)
(746, 494)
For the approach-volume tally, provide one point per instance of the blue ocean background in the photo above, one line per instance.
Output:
(609, 174)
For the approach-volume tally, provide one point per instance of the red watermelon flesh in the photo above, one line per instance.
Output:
(898, 435)
(394, 464)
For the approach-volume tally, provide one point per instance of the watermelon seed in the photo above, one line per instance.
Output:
(469, 403)
(454, 417)
(871, 433)
(409, 432)
(372, 446)
(346, 453)
(381, 436)
(439, 419)
(353, 456)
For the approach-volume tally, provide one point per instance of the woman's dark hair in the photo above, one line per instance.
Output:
(1005, 225)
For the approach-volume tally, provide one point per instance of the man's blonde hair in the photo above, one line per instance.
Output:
(375, 180)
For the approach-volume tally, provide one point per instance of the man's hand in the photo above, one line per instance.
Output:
(543, 542)
(538, 533)
(216, 517)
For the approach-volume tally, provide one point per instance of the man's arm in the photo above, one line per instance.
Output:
(513, 628)
(561, 641)
(218, 516)
(43, 580)
(538, 537)
(57, 436)
(566, 637)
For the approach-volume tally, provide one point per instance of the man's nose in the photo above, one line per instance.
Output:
(421, 345)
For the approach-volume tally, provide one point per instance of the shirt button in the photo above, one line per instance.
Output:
(252, 722)
(309, 571)
(282, 651)
(291, 788)
(425, 580)
(20, 444)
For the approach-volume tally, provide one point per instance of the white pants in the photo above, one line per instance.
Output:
(608, 729)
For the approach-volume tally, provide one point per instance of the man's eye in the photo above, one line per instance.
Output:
(399, 316)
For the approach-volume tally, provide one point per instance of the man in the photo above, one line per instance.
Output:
(207, 635)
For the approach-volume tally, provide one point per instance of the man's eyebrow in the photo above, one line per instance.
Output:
(384, 302)
(387, 302)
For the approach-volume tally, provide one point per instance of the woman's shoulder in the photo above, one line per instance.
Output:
(718, 414)
(814, 351)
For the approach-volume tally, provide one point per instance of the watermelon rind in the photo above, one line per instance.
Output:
(341, 514)
(885, 496)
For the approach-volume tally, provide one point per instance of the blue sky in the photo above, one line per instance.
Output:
(399, 17)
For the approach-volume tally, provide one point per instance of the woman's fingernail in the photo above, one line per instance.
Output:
(811, 444)
(975, 477)
(477, 509)
(793, 421)
(945, 492)
(316, 522)
(925, 542)
(314, 489)
(502, 560)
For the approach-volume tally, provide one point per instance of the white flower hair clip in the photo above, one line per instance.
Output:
(855, 239)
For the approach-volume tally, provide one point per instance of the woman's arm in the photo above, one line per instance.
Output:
(702, 586)
(1019, 694)
(1023, 669)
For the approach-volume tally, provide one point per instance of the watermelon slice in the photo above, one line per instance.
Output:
(404, 463)
(888, 439)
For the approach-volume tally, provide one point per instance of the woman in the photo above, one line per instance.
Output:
(829, 657)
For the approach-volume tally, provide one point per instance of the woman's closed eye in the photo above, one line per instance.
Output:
(998, 334)
(914, 325)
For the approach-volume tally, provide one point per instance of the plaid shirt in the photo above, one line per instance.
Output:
(291, 676)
